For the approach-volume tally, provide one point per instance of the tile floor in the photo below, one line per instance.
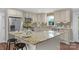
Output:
(63, 46)
(3, 46)
(72, 46)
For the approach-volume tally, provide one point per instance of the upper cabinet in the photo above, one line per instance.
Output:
(29, 15)
(15, 13)
(19, 13)
(33, 16)
(62, 16)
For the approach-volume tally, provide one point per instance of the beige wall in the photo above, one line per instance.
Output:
(50, 14)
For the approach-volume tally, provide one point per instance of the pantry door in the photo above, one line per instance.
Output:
(2, 27)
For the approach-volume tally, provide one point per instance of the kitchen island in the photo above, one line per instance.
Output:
(43, 40)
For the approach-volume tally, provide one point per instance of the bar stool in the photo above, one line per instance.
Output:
(20, 46)
(10, 41)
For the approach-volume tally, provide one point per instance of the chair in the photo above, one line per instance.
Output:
(11, 41)
(20, 46)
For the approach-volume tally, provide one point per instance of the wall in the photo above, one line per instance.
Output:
(2, 25)
(75, 24)
(49, 14)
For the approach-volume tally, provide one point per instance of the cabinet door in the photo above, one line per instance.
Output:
(65, 37)
(57, 16)
(67, 16)
(62, 16)
(11, 12)
(16, 13)
(19, 14)
(26, 15)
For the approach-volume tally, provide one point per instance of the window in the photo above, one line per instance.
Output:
(51, 20)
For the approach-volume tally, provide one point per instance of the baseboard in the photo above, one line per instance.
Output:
(65, 42)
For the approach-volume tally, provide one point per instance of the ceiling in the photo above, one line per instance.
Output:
(40, 10)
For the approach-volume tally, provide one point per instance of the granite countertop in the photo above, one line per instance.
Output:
(36, 37)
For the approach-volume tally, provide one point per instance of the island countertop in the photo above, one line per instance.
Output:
(36, 37)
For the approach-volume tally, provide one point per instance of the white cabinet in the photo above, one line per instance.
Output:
(28, 15)
(62, 16)
(68, 15)
(65, 37)
(31, 15)
(39, 18)
(16, 13)
(11, 12)
(19, 14)
(57, 16)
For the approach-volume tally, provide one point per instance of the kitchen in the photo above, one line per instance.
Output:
(38, 28)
